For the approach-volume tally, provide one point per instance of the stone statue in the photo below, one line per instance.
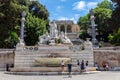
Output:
(53, 30)
(44, 38)
(64, 38)
(50, 38)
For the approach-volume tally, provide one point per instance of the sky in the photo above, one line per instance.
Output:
(68, 9)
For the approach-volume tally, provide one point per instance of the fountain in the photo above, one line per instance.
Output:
(52, 48)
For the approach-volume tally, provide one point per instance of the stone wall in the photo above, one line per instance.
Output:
(112, 57)
(6, 57)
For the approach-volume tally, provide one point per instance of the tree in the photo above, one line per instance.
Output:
(104, 4)
(84, 24)
(102, 15)
(117, 2)
(34, 28)
(9, 20)
(115, 20)
(115, 38)
(38, 10)
(10, 15)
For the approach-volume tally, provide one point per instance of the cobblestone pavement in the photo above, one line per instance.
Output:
(110, 75)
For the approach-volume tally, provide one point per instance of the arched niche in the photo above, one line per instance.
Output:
(62, 28)
(69, 28)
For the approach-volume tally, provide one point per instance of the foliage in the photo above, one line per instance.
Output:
(10, 15)
(115, 38)
(59, 41)
(104, 4)
(115, 20)
(12, 39)
(34, 28)
(83, 35)
(84, 24)
(38, 10)
(102, 15)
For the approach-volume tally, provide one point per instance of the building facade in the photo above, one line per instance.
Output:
(67, 26)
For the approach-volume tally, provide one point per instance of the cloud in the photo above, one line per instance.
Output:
(66, 18)
(92, 4)
(58, 8)
(79, 5)
(82, 5)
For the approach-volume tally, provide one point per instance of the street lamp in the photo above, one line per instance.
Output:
(92, 18)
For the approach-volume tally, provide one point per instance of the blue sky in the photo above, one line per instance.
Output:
(68, 9)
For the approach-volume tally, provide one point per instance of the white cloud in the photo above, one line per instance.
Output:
(82, 5)
(66, 18)
(91, 4)
(58, 8)
(79, 5)
(62, 18)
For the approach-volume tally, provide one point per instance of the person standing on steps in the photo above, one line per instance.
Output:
(86, 66)
(78, 66)
(69, 69)
(62, 66)
(82, 66)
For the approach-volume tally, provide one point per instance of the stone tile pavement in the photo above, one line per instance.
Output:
(105, 75)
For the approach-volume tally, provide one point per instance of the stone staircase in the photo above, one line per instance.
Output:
(25, 58)
(74, 38)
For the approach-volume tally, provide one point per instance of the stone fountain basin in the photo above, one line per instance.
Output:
(51, 61)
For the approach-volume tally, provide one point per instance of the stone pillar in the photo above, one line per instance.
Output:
(65, 29)
(92, 18)
(59, 29)
(22, 28)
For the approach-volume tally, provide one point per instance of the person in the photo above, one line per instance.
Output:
(69, 69)
(96, 65)
(104, 65)
(62, 66)
(78, 66)
(86, 65)
(107, 67)
(82, 66)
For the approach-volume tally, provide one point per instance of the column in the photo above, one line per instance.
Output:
(22, 27)
(59, 29)
(92, 18)
(65, 29)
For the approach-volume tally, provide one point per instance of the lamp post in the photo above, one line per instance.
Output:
(92, 18)
(23, 14)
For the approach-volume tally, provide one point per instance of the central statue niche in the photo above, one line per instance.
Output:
(53, 37)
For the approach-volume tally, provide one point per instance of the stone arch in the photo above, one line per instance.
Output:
(62, 28)
(69, 28)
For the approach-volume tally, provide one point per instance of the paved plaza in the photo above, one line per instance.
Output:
(106, 75)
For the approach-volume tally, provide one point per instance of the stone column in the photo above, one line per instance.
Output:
(92, 18)
(59, 29)
(65, 29)
(22, 27)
